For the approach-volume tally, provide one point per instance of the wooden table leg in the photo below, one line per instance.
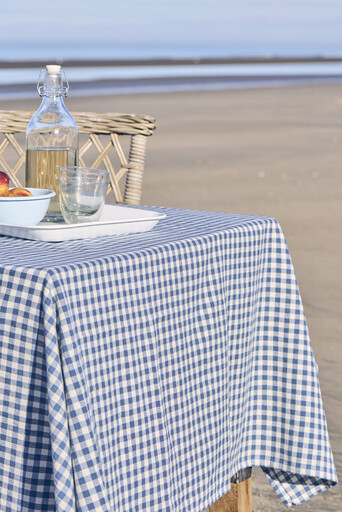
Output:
(239, 499)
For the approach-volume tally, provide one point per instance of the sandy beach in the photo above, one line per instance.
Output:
(266, 151)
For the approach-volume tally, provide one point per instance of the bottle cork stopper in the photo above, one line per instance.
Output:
(53, 69)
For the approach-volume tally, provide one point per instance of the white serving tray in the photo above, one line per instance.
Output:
(115, 220)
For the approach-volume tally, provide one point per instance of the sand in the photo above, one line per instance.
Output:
(274, 152)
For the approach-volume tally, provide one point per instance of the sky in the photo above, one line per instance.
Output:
(253, 25)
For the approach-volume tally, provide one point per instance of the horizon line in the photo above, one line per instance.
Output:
(170, 61)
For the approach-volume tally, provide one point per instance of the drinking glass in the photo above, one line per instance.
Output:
(82, 197)
(83, 172)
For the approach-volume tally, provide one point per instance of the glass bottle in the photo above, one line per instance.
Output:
(51, 138)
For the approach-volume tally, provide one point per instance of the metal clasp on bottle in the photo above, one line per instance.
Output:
(40, 85)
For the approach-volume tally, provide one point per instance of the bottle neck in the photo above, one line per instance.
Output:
(52, 100)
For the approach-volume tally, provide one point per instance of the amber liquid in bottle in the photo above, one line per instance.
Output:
(42, 169)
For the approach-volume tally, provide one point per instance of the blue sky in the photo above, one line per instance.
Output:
(315, 25)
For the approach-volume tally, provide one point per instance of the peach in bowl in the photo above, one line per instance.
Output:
(22, 206)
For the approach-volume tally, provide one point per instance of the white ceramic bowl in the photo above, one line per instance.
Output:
(25, 211)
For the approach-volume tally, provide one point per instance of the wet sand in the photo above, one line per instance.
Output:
(274, 152)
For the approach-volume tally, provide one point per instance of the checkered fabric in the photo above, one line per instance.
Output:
(141, 372)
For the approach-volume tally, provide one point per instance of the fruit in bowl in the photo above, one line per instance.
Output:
(19, 192)
(5, 191)
(22, 206)
(4, 183)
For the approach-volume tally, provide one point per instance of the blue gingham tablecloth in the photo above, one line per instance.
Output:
(141, 372)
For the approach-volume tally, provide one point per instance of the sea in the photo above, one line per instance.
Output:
(106, 69)
(108, 47)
